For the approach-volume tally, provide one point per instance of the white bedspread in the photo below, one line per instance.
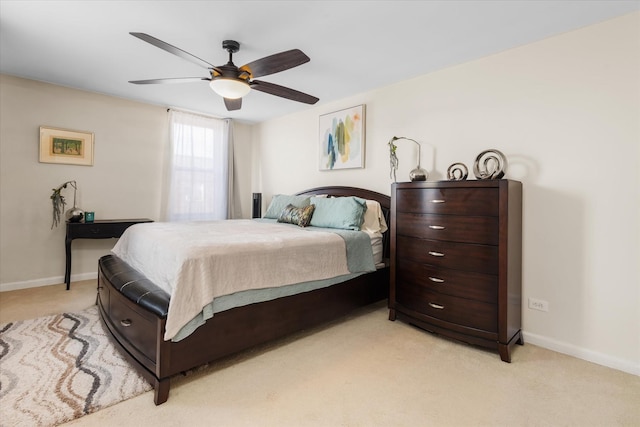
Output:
(196, 262)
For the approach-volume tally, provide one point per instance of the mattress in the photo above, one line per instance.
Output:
(204, 265)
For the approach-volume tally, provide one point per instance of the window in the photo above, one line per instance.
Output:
(200, 168)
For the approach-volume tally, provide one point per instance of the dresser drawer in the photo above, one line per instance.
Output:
(459, 256)
(476, 286)
(133, 324)
(461, 311)
(454, 228)
(449, 201)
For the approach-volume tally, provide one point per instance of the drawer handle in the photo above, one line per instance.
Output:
(433, 253)
(436, 306)
(436, 279)
(126, 322)
(437, 201)
(436, 227)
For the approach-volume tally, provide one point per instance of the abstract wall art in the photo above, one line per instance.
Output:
(342, 139)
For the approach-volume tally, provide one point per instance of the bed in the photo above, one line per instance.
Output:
(135, 310)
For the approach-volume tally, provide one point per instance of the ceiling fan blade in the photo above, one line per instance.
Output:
(275, 63)
(172, 49)
(233, 104)
(169, 80)
(284, 92)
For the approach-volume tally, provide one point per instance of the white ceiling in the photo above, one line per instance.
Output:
(354, 46)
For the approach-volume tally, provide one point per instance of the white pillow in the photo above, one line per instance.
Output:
(374, 221)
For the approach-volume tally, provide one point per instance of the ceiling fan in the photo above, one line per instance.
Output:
(232, 82)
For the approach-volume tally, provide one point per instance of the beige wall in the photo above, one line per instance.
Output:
(566, 113)
(125, 181)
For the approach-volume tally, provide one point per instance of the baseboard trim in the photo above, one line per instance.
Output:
(48, 281)
(582, 353)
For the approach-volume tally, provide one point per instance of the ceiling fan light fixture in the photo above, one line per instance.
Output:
(232, 82)
(229, 88)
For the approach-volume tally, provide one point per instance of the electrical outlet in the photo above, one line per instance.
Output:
(538, 304)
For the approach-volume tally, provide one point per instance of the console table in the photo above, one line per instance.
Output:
(99, 229)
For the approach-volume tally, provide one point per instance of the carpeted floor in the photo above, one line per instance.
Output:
(57, 368)
(367, 371)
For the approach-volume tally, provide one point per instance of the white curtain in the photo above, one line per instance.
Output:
(200, 168)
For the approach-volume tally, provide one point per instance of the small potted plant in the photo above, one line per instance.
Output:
(57, 200)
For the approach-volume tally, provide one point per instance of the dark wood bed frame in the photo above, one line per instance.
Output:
(134, 311)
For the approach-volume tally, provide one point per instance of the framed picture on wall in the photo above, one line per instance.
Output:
(342, 139)
(65, 146)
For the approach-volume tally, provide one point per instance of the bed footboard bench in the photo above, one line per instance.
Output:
(134, 311)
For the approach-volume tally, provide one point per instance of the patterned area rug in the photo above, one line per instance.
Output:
(57, 368)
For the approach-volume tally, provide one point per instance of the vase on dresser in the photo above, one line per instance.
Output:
(456, 260)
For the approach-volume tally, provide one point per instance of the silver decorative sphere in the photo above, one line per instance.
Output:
(418, 174)
(74, 214)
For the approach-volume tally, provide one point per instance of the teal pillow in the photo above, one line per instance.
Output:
(346, 213)
(280, 201)
(298, 216)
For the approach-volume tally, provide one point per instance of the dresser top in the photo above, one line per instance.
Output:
(486, 183)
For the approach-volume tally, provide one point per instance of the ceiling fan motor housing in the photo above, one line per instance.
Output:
(231, 46)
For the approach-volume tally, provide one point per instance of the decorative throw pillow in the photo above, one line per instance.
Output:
(298, 216)
(280, 201)
(338, 212)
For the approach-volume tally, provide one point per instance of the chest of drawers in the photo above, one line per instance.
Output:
(456, 260)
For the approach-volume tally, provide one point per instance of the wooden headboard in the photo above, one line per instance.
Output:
(339, 191)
